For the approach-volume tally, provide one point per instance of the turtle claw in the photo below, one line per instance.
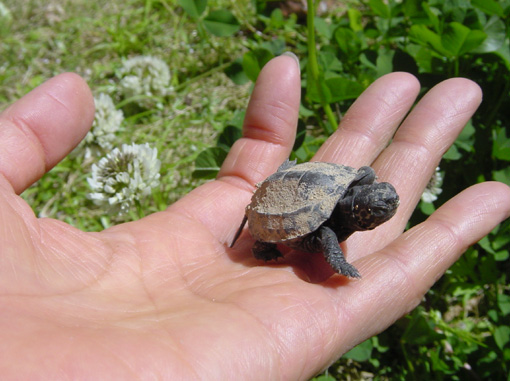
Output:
(349, 271)
(341, 266)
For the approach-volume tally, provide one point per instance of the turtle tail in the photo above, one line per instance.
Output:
(239, 231)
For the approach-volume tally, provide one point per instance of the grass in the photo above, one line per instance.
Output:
(92, 38)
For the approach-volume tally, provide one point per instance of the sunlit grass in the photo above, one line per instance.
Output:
(93, 38)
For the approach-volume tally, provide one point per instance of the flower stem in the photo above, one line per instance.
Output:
(312, 51)
(331, 117)
(314, 66)
(202, 75)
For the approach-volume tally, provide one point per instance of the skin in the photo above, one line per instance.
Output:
(166, 297)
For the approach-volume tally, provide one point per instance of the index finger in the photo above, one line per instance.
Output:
(268, 135)
(269, 127)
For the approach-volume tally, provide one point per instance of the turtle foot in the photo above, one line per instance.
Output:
(348, 270)
(334, 255)
(266, 251)
(341, 266)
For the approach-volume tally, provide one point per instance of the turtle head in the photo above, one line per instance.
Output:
(372, 205)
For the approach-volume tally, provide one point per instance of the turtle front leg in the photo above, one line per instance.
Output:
(334, 255)
(265, 251)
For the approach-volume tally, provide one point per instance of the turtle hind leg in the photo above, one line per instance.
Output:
(334, 255)
(265, 251)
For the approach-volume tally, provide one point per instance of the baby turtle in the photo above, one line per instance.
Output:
(313, 206)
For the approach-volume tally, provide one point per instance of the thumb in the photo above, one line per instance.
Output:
(38, 130)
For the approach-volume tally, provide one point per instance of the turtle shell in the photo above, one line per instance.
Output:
(296, 200)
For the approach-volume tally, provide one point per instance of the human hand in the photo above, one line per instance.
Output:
(165, 297)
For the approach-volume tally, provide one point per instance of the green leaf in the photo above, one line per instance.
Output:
(323, 28)
(464, 142)
(380, 8)
(355, 19)
(317, 91)
(501, 255)
(503, 175)
(424, 36)
(194, 8)
(324, 377)
(422, 56)
(361, 352)
(229, 136)
(504, 303)
(277, 20)
(468, 132)
(276, 46)
(438, 364)
(496, 36)
(221, 23)
(340, 89)
(309, 147)
(329, 62)
(420, 331)
(427, 208)
(433, 16)
(384, 61)
(502, 336)
(254, 61)
(504, 53)
(236, 72)
(305, 112)
(501, 241)
(412, 8)
(456, 9)
(501, 144)
(366, 61)
(238, 119)
(486, 245)
(348, 42)
(458, 39)
(490, 7)
(208, 162)
(474, 39)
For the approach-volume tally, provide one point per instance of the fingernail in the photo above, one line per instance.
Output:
(290, 54)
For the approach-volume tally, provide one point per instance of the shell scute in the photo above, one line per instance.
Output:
(296, 200)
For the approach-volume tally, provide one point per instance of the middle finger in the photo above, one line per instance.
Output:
(415, 151)
(371, 121)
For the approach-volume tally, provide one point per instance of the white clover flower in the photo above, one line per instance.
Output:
(5, 19)
(107, 121)
(145, 77)
(433, 188)
(125, 176)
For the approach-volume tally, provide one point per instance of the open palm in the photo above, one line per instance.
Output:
(165, 297)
